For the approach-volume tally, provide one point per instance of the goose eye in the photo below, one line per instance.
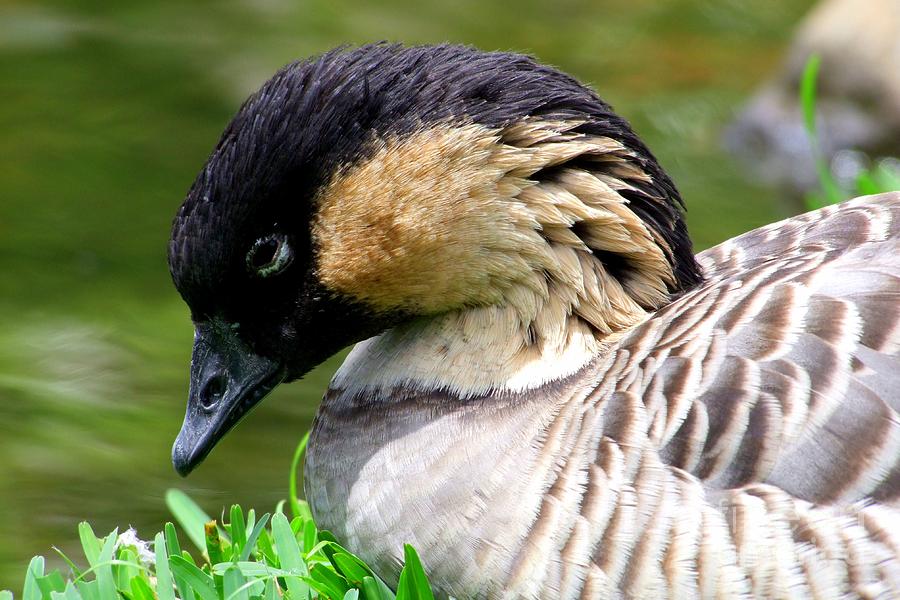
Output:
(269, 255)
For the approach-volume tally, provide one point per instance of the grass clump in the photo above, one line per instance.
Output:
(249, 557)
(884, 176)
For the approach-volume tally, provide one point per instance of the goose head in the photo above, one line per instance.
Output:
(370, 188)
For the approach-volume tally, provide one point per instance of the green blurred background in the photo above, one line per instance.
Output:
(109, 109)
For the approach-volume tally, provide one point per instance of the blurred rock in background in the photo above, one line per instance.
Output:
(858, 98)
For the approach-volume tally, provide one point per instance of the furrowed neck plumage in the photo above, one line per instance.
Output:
(521, 246)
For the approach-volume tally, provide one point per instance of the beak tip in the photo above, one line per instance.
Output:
(182, 459)
(222, 365)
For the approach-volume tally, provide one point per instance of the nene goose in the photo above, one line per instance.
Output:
(554, 398)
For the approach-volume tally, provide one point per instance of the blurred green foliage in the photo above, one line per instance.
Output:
(240, 559)
(109, 110)
(883, 177)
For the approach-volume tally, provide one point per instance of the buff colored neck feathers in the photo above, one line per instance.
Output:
(507, 248)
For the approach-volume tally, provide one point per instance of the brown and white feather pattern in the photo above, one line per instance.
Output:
(741, 442)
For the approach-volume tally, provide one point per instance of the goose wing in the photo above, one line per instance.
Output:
(748, 436)
(785, 367)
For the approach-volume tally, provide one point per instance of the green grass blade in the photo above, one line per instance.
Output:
(271, 592)
(111, 564)
(69, 593)
(51, 582)
(105, 582)
(233, 585)
(75, 570)
(264, 545)
(72, 592)
(289, 556)
(215, 554)
(213, 543)
(887, 178)
(320, 589)
(88, 590)
(808, 93)
(866, 183)
(370, 589)
(310, 535)
(250, 544)
(140, 590)
(163, 575)
(417, 580)
(297, 528)
(327, 571)
(172, 545)
(319, 549)
(238, 528)
(251, 519)
(286, 545)
(250, 569)
(124, 573)
(353, 569)
(326, 579)
(327, 536)
(189, 515)
(404, 588)
(174, 549)
(297, 510)
(51, 585)
(831, 191)
(6, 595)
(198, 581)
(375, 589)
(329, 549)
(89, 543)
(303, 510)
(31, 590)
(255, 587)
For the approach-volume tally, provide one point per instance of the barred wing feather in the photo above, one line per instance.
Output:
(770, 398)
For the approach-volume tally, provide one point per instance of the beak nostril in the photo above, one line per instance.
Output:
(212, 390)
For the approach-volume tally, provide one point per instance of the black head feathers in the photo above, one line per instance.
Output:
(315, 116)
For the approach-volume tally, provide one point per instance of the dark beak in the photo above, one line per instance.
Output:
(227, 380)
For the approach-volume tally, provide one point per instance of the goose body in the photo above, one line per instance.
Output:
(554, 398)
(742, 442)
